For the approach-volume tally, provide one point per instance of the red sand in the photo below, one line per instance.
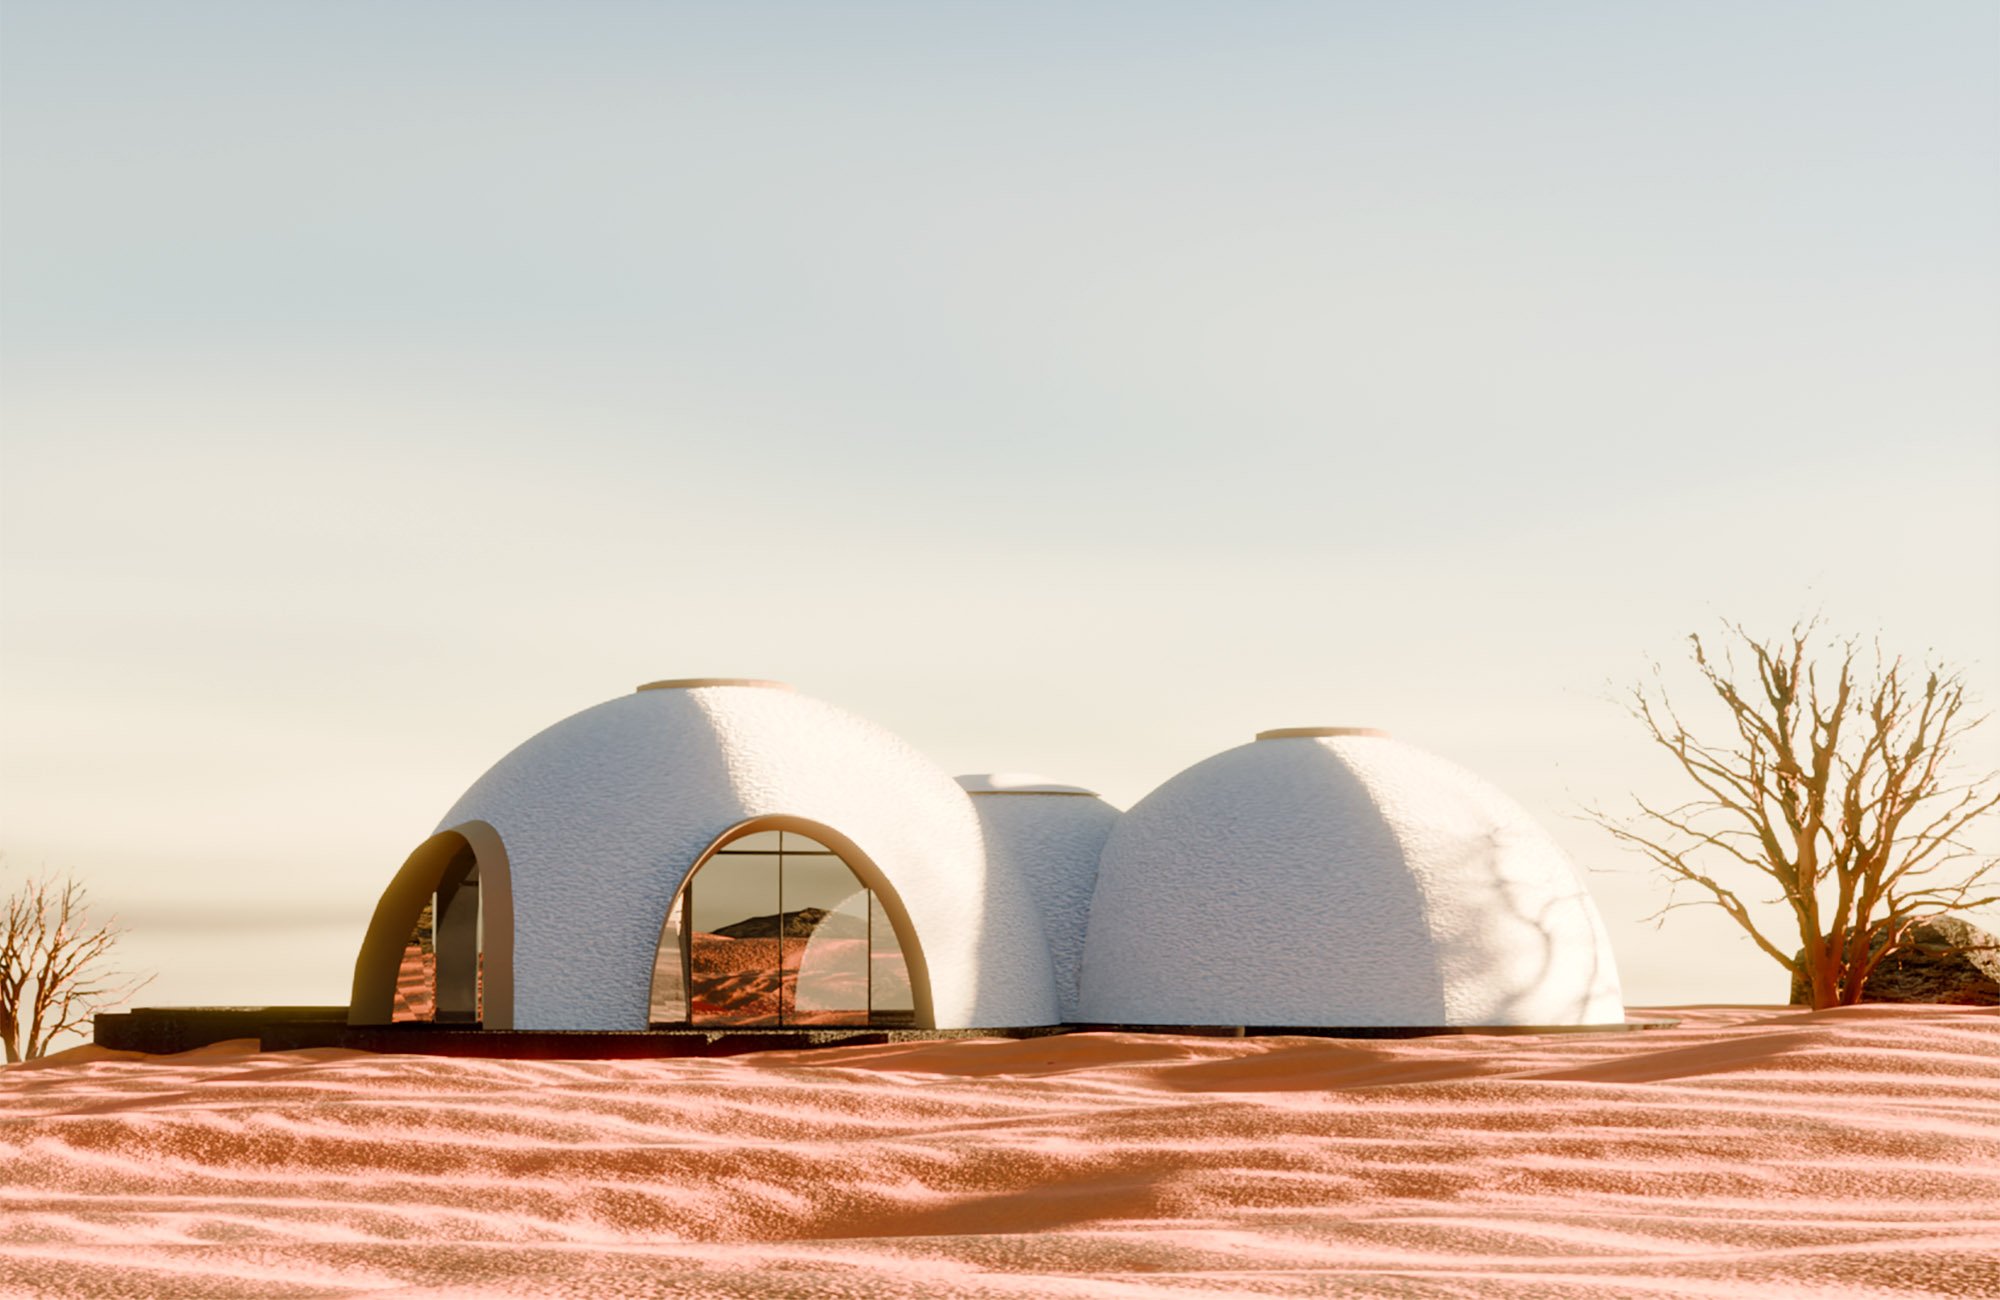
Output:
(737, 981)
(1750, 1152)
(416, 985)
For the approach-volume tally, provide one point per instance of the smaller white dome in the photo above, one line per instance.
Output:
(1333, 876)
(1050, 835)
(1016, 783)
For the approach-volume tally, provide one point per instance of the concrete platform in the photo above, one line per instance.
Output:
(165, 1030)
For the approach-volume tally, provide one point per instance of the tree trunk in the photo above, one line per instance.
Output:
(1822, 974)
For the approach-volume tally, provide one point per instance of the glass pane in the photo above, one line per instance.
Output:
(889, 999)
(733, 941)
(669, 1006)
(797, 843)
(416, 979)
(826, 941)
(455, 944)
(755, 842)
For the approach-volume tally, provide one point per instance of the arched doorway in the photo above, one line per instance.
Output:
(439, 948)
(786, 926)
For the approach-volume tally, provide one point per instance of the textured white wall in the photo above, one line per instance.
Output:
(1349, 880)
(1052, 841)
(604, 813)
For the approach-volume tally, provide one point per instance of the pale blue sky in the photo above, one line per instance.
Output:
(1068, 388)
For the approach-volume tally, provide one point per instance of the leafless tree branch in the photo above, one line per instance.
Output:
(1834, 784)
(54, 967)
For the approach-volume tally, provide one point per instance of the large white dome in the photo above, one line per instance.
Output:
(603, 816)
(1327, 877)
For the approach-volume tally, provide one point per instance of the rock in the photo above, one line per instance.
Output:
(1950, 961)
(797, 925)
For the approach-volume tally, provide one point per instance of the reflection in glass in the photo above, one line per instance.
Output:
(890, 1000)
(826, 943)
(733, 959)
(669, 974)
(455, 943)
(776, 929)
(416, 978)
(442, 977)
(443, 971)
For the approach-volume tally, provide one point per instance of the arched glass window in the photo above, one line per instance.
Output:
(440, 946)
(441, 976)
(776, 930)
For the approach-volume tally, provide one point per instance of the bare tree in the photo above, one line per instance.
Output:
(1831, 779)
(54, 971)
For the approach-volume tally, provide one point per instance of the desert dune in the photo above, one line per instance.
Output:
(1750, 1151)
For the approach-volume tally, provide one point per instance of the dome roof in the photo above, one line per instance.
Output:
(1016, 783)
(604, 814)
(1329, 877)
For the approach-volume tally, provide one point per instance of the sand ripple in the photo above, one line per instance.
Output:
(1750, 1151)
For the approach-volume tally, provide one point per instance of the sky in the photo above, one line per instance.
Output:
(1069, 389)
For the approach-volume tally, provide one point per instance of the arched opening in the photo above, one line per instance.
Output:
(784, 923)
(439, 948)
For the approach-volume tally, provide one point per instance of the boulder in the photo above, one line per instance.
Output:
(1947, 960)
(800, 924)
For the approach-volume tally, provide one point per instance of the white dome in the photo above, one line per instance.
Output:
(1050, 835)
(604, 814)
(1340, 878)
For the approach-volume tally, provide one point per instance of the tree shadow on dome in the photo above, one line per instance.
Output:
(1262, 887)
(1518, 936)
